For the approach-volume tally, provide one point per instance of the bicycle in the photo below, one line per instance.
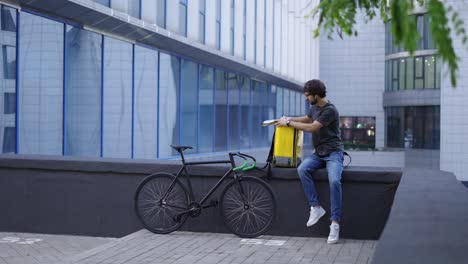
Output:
(247, 204)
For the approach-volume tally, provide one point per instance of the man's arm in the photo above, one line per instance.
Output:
(301, 119)
(307, 127)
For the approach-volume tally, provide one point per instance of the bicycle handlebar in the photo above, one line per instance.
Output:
(244, 166)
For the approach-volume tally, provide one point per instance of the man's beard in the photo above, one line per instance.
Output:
(314, 102)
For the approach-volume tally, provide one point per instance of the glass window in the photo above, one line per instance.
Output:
(421, 31)
(218, 24)
(9, 62)
(244, 30)
(234, 122)
(246, 112)
(183, 18)
(103, 2)
(256, 113)
(8, 19)
(201, 21)
(358, 132)
(117, 100)
(437, 73)
(9, 140)
(145, 119)
(221, 111)
(134, 8)
(279, 102)
(169, 104)
(387, 75)
(286, 111)
(394, 75)
(401, 75)
(410, 73)
(161, 13)
(264, 96)
(9, 103)
(207, 110)
(429, 72)
(429, 43)
(189, 105)
(83, 93)
(41, 102)
(419, 73)
(232, 27)
(413, 127)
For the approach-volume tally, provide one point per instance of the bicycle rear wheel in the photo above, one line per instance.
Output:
(248, 207)
(158, 214)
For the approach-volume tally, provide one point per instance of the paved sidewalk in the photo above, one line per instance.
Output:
(23, 248)
(144, 247)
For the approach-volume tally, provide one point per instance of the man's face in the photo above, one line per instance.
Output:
(311, 98)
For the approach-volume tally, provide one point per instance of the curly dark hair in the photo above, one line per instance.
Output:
(315, 87)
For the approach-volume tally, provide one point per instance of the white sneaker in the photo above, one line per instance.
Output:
(315, 214)
(334, 233)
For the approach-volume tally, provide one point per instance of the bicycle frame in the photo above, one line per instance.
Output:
(184, 171)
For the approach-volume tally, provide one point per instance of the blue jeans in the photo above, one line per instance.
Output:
(334, 165)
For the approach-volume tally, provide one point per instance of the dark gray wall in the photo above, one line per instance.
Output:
(95, 197)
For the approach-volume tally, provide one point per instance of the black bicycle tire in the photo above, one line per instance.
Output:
(136, 204)
(272, 201)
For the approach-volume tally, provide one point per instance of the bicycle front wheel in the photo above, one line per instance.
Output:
(158, 205)
(248, 207)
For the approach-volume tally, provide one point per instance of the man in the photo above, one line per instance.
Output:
(323, 121)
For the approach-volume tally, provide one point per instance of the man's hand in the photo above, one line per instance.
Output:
(282, 121)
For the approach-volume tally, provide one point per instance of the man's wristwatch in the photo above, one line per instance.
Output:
(288, 122)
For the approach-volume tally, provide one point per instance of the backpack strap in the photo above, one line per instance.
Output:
(349, 162)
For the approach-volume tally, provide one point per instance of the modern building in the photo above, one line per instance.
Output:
(128, 78)
(407, 102)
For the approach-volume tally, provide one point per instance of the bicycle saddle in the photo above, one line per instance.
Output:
(180, 148)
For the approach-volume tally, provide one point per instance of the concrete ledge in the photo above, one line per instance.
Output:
(428, 221)
(63, 195)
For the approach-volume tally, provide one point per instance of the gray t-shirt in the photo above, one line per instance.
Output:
(328, 138)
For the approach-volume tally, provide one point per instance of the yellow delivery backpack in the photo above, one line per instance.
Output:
(287, 147)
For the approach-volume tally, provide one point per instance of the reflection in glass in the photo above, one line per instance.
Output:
(9, 140)
(183, 18)
(429, 72)
(358, 132)
(8, 19)
(117, 108)
(221, 111)
(161, 13)
(146, 104)
(41, 102)
(9, 103)
(413, 127)
(168, 104)
(189, 105)
(9, 62)
(246, 111)
(83, 93)
(206, 136)
(234, 122)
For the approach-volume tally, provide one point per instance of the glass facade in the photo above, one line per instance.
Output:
(8, 96)
(421, 72)
(183, 18)
(358, 132)
(413, 127)
(425, 37)
(98, 96)
(201, 20)
(83, 93)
